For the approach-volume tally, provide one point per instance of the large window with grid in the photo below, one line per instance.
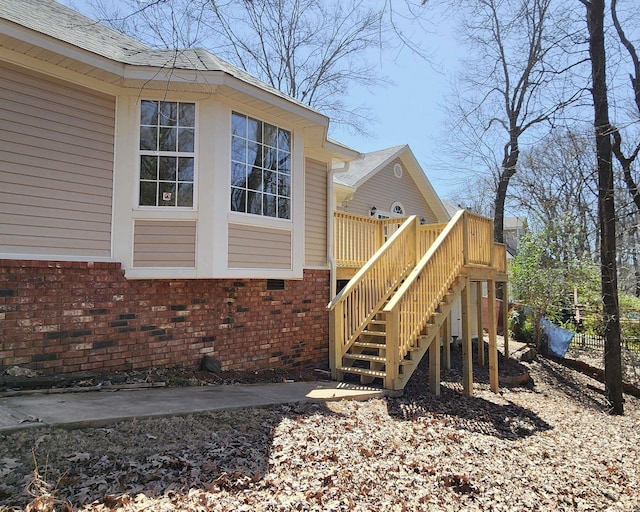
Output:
(167, 153)
(260, 168)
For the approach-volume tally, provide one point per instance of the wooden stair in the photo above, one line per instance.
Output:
(366, 357)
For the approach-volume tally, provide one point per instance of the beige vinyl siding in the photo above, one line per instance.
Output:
(164, 243)
(56, 166)
(383, 189)
(258, 247)
(315, 213)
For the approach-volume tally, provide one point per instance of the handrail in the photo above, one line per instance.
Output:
(418, 298)
(358, 302)
(380, 253)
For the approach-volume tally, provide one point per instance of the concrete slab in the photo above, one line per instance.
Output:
(95, 408)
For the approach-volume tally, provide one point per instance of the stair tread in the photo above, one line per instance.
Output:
(375, 333)
(364, 344)
(363, 371)
(365, 357)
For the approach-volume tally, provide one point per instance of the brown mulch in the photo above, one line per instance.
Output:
(545, 445)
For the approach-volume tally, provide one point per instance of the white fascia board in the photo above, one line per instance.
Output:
(173, 75)
(340, 151)
(60, 47)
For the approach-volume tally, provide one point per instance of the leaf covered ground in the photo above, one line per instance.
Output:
(548, 445)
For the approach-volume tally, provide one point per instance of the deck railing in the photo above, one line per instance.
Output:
(500, 257)
(421, 261)
(363, 296)
(419, 296)
(467, 239)
(357, 238)
(479, 240)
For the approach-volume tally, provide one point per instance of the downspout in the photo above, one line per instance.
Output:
(330, 209)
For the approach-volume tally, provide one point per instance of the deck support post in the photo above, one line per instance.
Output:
(505, 317)
(336, 330)
(493, 345)
(434, 365)
(446, 342)
(479, 318)
(392, 361)
(467, 361)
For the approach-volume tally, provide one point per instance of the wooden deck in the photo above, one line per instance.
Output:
(404, 279)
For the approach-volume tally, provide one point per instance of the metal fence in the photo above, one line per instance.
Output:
(595, 342)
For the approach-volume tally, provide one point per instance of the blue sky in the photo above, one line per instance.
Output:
(408, 111)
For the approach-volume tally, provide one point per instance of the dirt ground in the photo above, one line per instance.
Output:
(545, 445)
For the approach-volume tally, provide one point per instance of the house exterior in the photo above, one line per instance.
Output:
(514, 229)
(156, 205)
(159, 206)
(388, 183)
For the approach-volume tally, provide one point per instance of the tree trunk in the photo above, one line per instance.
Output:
(606, 208)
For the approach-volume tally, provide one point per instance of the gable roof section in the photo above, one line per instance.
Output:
(370, 164)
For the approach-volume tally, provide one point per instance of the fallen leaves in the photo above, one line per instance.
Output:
(546, 447)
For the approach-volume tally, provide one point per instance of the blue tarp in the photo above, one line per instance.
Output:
(557, 337)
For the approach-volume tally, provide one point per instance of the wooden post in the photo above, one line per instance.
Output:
(336, 333)
(493, 345)
(467, 362)
(480, 330)
(465, 237)
(446, 342)
(392, 361)
(434, 366)
(505, 318)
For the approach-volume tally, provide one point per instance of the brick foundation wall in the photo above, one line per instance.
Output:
(63, 317)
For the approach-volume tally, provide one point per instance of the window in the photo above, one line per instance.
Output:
(397, 170)
(167, 153)
(260, 168)
(397, 208)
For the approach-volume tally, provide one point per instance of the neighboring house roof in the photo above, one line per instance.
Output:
(369, 164)
(362, 169)
(514, 223)
(452, 209)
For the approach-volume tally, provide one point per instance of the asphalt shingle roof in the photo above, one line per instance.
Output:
(360, 168)
(62, 23)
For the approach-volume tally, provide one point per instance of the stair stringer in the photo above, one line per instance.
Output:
(430, 332)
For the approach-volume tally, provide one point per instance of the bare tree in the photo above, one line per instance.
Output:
(595, 14)
(512, 85)
(312, 50)
(555, 186)
(626, 161)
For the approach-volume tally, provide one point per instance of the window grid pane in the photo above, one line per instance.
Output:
(167, 147)
(264, 152)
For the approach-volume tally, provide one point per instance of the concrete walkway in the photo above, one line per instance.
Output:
(95, 408)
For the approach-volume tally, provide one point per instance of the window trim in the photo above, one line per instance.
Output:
(140, 152)
(397, 204)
